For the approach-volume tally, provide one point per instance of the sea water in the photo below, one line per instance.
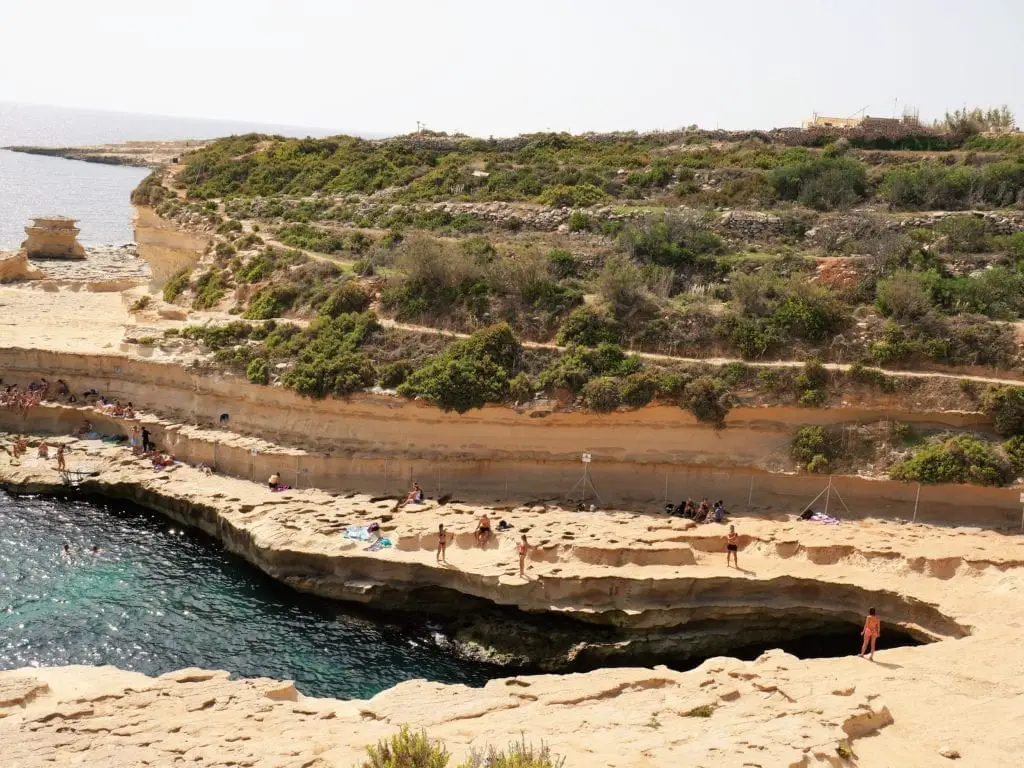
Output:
(161, 597)
(97, 195)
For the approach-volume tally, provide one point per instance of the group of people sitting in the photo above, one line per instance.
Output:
(14, 398)
(705, 512)
(19, 446)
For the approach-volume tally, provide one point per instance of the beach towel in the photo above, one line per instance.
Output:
(379, 544)
(357, 532)
(821, 517)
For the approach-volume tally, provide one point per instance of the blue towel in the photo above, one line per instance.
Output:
(358, 532)
(379, 544)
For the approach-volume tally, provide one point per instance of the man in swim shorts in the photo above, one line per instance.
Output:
(732, 545)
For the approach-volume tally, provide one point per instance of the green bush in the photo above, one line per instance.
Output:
(824, 183)
(602, 395)
(176, 286)
(578, 365)
(331, 362)
(1014, 450)
(953, 188)
(406, 749)
(209, 289)
(588, 327)
(258, 371)
(964, 234)
(580, 222)
(813, 448)
(468, 374)
(272, 301)
(682, 243)
(391, 376)
(708, 399)
(216, 337)
(956, 460)
(141, 303)
(229, 226)
(311, 238)
(521, 388)
(905, 295)
(150, 191)
(577, 196)
(638, 389)
(563, 264)
(1006, 407)
(347, 297)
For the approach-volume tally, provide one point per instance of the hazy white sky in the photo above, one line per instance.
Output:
(487, 67)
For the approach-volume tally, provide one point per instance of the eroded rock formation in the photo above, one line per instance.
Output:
(53, 237)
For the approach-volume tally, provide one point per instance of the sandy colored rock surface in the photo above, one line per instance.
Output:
(15, 267)
(961, 586)
(146, 154)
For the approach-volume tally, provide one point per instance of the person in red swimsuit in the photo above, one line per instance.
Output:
(872, 630)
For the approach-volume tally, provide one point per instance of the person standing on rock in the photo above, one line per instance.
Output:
(442, 543)
(732, 546)
(871, 632)
(61, 466)
(523, 547)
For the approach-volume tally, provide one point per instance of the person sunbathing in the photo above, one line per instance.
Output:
(43, 451)
(274, 482)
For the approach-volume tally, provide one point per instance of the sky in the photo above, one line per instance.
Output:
(501, 68)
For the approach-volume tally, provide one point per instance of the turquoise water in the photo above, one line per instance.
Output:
(159, 597)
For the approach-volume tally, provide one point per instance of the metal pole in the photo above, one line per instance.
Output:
(506, 485)
(297, 471)
(828, 493)
(666, 488)
(918, 498)
(750, 494)
(439, 481)
(385, 477)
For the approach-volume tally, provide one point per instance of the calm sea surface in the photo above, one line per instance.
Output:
(159, 598)
(96, 194)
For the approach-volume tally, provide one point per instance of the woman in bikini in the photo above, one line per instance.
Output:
(732, 546)
(442, 543)
(872, 630)
(523, 547)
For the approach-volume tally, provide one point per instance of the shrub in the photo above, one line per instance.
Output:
(521, 388)
(1006, 407)
(519, 755)
(964, 234)
(258, 371)
(347, 297)
(708, 399)
(588, 327)
(577, 196)
(602, 395)
(578, 365)
(150, 191)
(638, 389)
(229, 226)
(209, 289)
(704, 710)
(580, 222)
(216, 337)
(1014, 449)
(905, 295)
(682, 243)
(331, 363)
(391, 376)
(406, 749)
(813, 448)
(311, 238)
(272, 301)
(562, 263)
(176, 286)
(959, 459)
(822, 183)
(468, 374)
(141, 303)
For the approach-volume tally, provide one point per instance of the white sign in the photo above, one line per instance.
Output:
(1022, 498)
(586, 460)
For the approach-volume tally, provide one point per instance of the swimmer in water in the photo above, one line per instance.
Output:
(95, 549)
(66, 552)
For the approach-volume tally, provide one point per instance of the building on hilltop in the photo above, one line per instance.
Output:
(53, 237)
(910, 119)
